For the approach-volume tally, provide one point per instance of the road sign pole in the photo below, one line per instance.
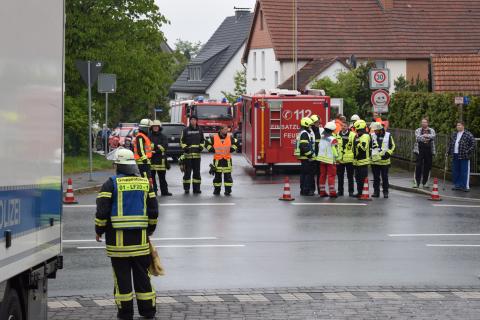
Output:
(90, 122)
(106, 123)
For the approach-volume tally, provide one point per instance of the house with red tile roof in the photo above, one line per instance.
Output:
(401, 35)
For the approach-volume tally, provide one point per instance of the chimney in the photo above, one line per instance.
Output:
(386, 5)
(240, 12)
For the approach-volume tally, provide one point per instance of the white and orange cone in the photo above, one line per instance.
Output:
(287, 195)
(365, 192)
(69, 197)
(435, 195)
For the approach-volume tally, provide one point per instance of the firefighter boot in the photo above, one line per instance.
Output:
(228, 191)
(216, 191)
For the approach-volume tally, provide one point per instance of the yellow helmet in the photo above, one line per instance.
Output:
(360, 124)
(314, 118)
(306, 122)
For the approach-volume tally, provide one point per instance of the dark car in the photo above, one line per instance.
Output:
(173, 132)
(237, 134)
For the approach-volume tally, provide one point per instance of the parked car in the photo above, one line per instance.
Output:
(173, 132)
(238, 135)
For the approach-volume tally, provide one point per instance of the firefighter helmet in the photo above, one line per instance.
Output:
(124, 156)
(144, 125)
(360, 125)
(376, 126)
(354, 118)
(156, 123)
(330, 126)
(314, 118)
(306, 122)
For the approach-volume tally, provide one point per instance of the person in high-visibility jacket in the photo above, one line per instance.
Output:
(328, 156)
(142, 148)
(127, 212)
(345, 163)
(317, 132)
(222, 144)
(305, 152)
(382, 149)
(159, 160)
(361, 154)
(192, 143)
(354, 119)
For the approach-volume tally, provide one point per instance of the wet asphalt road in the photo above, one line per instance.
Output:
(252, 240)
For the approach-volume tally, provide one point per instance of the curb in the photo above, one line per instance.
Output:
(427, 193)
(90, 189)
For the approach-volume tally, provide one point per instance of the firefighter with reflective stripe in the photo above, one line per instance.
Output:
(354, 119)
(305, 152)
(127, 212)
(143, 149)
(222, 144)
(159, 160)
(345, 162)
(192, 143)
(328, 156)
(361, 154)
(317, 131)
(382, 149)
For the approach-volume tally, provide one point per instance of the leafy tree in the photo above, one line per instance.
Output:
(184, 52)
(240, 79)
(418, 85)
(125, 34)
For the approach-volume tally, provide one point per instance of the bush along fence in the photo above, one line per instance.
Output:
(405, 140)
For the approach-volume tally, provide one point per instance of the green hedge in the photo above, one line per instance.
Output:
(408, 108)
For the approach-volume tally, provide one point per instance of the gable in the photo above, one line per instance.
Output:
(260, 36)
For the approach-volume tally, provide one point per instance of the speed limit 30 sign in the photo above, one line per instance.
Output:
(379, 78)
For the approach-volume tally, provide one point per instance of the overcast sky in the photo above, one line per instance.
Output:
(197, 20)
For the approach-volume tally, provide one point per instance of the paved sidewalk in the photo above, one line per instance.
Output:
(290, 303)
(81, 181)
(403, 180)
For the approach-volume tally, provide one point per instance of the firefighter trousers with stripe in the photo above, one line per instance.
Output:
(224, 167)
(161, 179)
(124, 269)
(192, 175)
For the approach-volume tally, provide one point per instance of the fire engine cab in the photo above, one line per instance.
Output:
(271, 123)
(211, 114)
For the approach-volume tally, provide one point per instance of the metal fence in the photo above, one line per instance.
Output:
(405, 140)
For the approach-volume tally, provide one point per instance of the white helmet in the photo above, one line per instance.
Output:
(144, 125)
(124, 156)
(156, 123)
(331, 126)
(376, 126)
(355, 117)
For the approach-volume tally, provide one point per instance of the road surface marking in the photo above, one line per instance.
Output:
(196, 204)
(327, 204)
(456, 206)
(435, 235)
(453, 245)
(153, 239)
(180, 246)
(80, 206)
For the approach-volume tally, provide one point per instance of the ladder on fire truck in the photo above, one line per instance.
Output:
(275, 125)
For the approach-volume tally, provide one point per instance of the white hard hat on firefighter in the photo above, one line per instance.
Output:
(144, 125)
(156, 123)
(124, 156)
(354, 118)
(330, 126)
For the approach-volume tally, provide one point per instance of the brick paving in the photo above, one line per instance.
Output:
(352, 303)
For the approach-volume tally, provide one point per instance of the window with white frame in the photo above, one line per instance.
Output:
(263, 65)
(254, 66)
(276, 79)
(194, 73)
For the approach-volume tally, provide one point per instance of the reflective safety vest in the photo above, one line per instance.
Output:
(362, 150)
(311, 143)
(129, 207)
(327, 150)
(346, 148)
(222, 148)
(379, 150)
(145, 147)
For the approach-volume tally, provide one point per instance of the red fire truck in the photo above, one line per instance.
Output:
(212, 114)
(271, 123)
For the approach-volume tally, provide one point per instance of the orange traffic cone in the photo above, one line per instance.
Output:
(287, 195)
(365, 192)
(69, 197)
(435, 194)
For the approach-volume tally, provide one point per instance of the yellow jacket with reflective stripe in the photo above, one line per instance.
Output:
(380, 146)
(361, 150)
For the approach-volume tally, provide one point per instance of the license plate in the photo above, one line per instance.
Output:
(172, 144)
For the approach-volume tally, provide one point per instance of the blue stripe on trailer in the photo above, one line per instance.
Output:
(29, 209)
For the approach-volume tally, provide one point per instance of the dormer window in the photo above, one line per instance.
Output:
(194, 73)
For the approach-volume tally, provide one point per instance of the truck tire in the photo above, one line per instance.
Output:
(13, 308)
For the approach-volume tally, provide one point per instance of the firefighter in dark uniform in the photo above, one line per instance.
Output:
(317, 131)
(222, 144)
(346, 141)
(127, 212)
(192, 143)
(305, 152)
(159, 160)
(143, 149)
(361, 155)
(382, 149)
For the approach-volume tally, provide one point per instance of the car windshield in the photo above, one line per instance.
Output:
(172, 130)
(214, 112)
